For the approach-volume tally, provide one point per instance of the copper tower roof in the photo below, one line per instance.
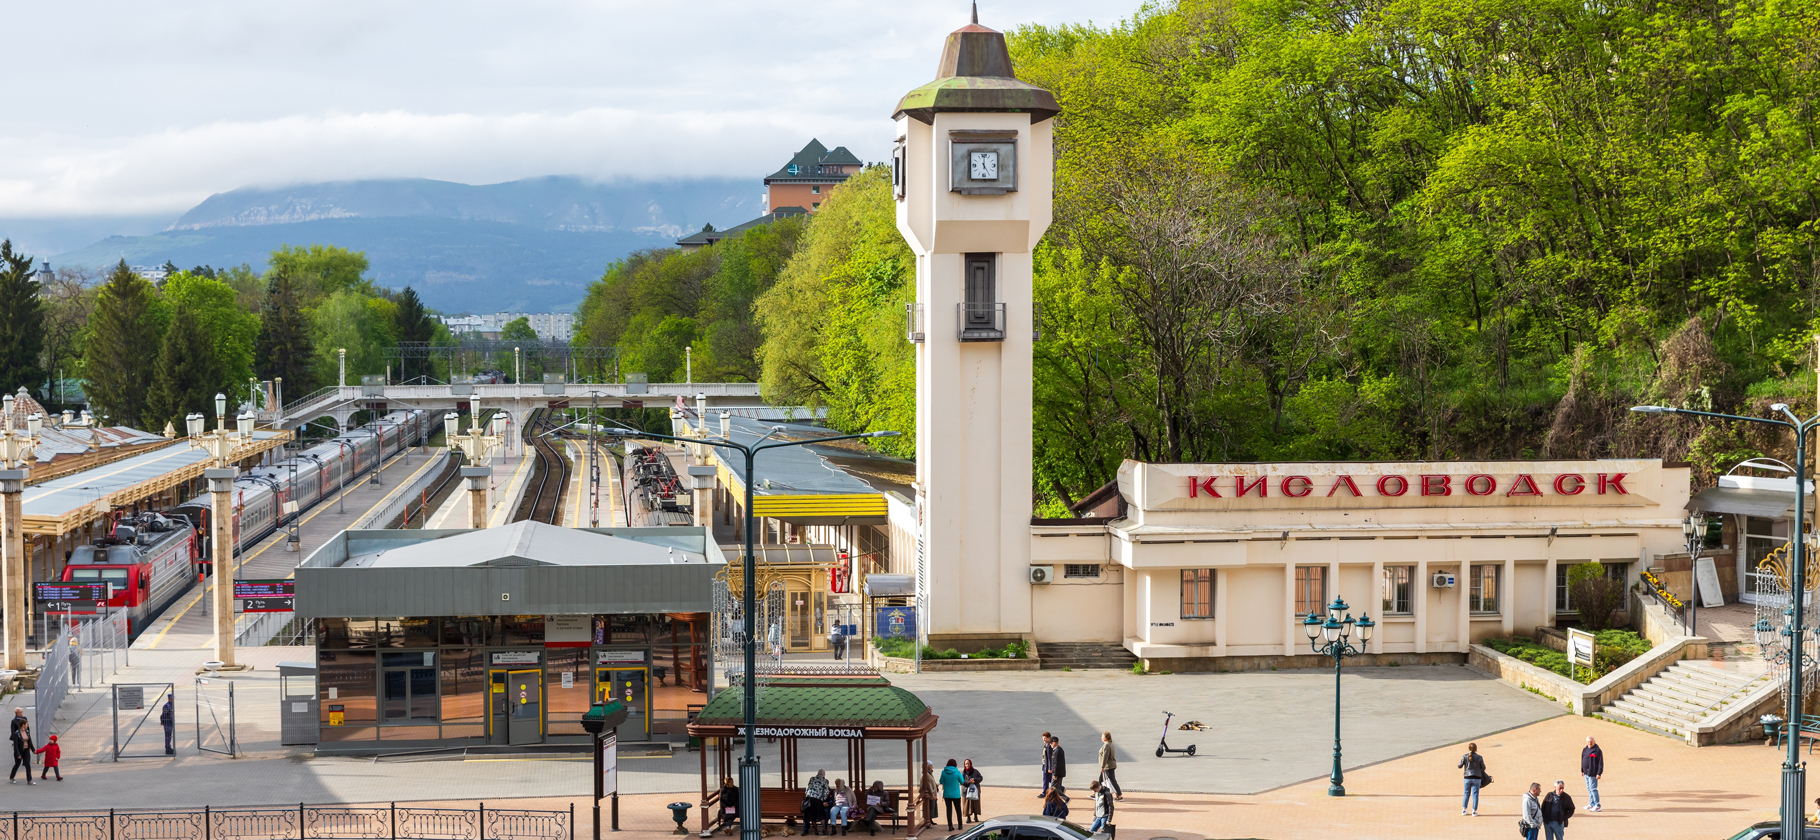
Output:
(975, 74)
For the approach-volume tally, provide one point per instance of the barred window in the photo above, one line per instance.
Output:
(1311, 590)
(1398, 590)
(1484, 595)
(1197, 593)
(1081, 570)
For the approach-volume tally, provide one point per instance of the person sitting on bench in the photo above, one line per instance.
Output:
(878, 804)
(815, 804)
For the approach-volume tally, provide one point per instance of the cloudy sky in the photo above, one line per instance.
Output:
(133, 108)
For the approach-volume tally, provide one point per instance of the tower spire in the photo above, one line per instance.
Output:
(976, 12)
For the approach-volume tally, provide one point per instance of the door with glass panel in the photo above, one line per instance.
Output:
(407, 688)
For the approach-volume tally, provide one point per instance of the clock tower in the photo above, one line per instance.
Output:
(972, 173)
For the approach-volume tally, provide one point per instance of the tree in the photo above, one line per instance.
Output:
(349, 321)
(284, 349)
(21, 322)
(124, 336)
(188, 375)
(232, 331)
(519, 329)
(414, 324)
(68, 300)
(322, 270)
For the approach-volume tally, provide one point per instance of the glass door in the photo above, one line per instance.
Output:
(524, 696)
(797, 627)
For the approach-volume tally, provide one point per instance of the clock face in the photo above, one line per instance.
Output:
(985, 166)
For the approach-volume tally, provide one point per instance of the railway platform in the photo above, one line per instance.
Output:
(511, 473)
(185, 626)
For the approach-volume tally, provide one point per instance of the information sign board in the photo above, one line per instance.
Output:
(265, 588)
(129, 697)
(609, 765)
(1580, 647)
(70, 591)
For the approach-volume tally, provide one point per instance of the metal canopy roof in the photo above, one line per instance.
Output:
(1773, 504)
(526, 568)
(65, 502)
(812, 484)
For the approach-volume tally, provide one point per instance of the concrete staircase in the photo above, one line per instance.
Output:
(1672, 702)
(1083, 655)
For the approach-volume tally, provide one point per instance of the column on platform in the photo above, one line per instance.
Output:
(221, 543)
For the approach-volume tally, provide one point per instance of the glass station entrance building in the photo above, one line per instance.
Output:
(504, 636)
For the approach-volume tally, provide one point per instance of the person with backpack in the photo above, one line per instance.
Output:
(53, 756)
(1476, 778)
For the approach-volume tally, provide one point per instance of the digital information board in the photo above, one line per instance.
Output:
(266, 595)
(82, 593)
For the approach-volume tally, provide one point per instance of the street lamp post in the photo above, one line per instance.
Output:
(221, 446)
(1332, 637)
(1690, 530)
(748, 763)
(17, 451)
(1794, 781)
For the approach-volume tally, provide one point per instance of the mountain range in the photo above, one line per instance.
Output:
(529, 245)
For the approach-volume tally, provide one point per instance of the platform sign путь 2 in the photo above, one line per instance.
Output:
(266, 595)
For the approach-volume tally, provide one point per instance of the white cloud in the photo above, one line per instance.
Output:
(145, 108)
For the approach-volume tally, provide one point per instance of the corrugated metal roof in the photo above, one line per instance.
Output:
(64, 495)
(528, 544)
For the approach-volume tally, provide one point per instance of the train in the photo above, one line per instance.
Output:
(153, 557)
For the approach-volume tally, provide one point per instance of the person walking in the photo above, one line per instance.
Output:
(1557, 809)
(843, 806)
(1048, 762)
(1592, 766)
(1102, 807)
(75, 664)
(1474, 765)
(21, 736)
(53, 756)
(835, 642)
(951, 796)
(970, 792)
(1109, 765)
(1058, 762)
(1531, 821)
(168, 719)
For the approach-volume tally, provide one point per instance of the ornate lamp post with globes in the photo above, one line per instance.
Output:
(478, 446)
(1332, 637)
(1794, 772)
(221, 446)
(16, 454)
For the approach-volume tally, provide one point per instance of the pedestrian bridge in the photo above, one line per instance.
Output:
(341, 402)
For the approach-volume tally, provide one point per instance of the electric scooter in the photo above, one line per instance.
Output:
(1164, 746)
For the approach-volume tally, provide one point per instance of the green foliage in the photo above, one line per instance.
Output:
(123, 337)
(21, 323)
(1611, 650)
(519, 329)
(231, 331)
(654, 305)
(284, 349)
(359, 324)
(413, 323)
(323, 270)
(833, 324)
(1519, 220)
(1595, 594)
(188, 373)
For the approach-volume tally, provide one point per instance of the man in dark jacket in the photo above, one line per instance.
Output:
(1058, 762)
(1592, 766)
(21, 736)
(1557, 809)
(1048, 762)
(168, 719)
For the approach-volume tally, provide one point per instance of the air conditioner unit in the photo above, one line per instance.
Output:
(1042, 574)
(1443, 580)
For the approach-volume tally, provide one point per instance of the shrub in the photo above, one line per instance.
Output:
(1594, 594)
(1611, 650)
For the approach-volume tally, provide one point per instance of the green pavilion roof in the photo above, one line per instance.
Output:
(847, 702)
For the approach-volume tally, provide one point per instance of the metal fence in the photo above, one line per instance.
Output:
(53, 683)
(304, 822)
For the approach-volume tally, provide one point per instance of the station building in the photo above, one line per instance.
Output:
(430, 639)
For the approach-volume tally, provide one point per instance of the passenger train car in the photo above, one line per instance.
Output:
(146, 576)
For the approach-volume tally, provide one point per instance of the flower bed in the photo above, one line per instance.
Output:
(906, 649)
(1661, 590)
(1611, 650)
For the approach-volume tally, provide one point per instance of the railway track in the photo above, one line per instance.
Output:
(550, 475)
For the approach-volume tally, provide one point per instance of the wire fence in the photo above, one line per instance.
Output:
(304, 822)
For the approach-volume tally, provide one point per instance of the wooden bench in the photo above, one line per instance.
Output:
(779, 804)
